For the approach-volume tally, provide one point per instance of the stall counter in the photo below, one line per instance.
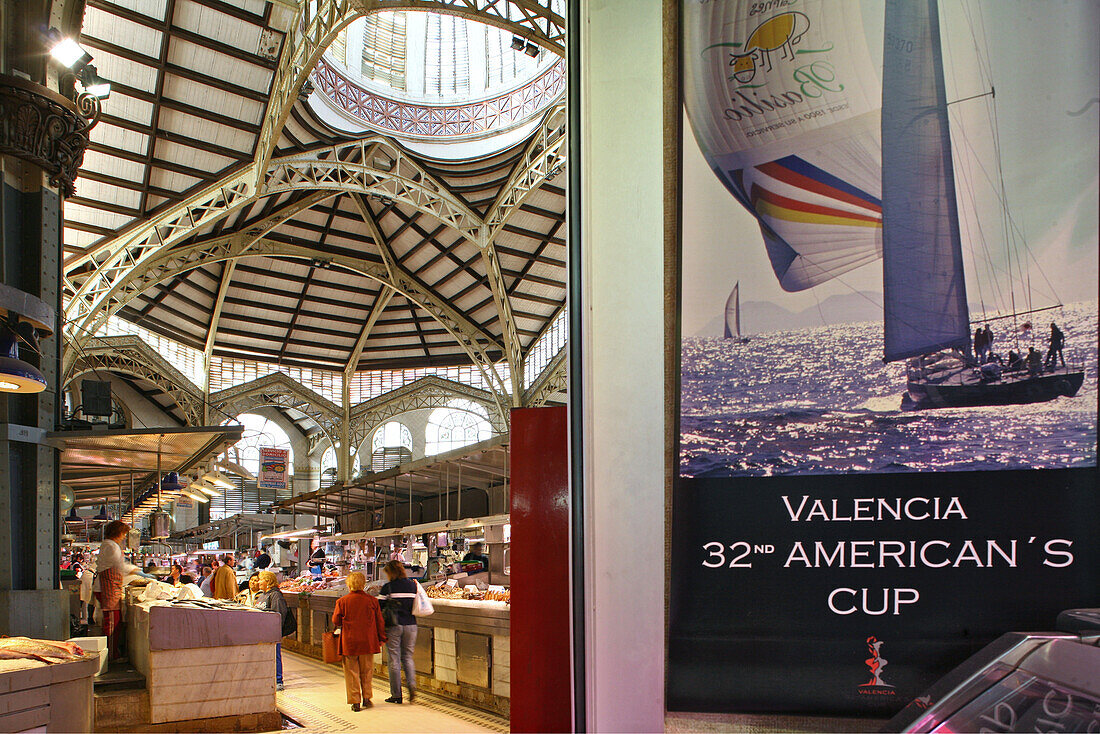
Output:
(462, 651)
(203, 663)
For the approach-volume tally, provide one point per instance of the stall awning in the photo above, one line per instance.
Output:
(99, 465)
(477, 466)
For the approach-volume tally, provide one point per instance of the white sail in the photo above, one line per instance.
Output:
(784, 105)
(924, 290)
(733, 313)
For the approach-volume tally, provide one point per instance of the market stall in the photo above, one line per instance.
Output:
(202, 658)
(462, 650)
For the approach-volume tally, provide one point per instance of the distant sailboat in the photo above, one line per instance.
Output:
(733, 315)
(840, 171)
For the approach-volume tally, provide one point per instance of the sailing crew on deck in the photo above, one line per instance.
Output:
(1057, 341)
(1014, 360)
(988, 342)
(979, 343)
(1034, 361)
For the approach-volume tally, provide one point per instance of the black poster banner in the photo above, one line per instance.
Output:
(852, 594)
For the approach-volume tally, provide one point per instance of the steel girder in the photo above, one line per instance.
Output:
(132, 356)
(404, 282)
(381, 170)
(554, 378)
(384, 171)
(319, 21)
(278, 390)
(543, 159)
(232, 247)
(425, 392)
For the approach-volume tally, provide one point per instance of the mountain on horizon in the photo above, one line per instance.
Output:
(762, 317)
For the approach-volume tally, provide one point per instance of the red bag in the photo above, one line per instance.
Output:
(330, 644)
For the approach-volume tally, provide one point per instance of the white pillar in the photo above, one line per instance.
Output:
(623, 376)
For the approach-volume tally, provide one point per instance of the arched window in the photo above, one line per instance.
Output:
(391, 446)
(329, 469)
(461, 423)
(259, 432)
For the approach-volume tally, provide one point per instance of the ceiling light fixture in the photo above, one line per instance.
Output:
(67, 52)
(17, 375)
(197, 496)
(531, 50)
(218, 479)
(94, 84)
(517, 43)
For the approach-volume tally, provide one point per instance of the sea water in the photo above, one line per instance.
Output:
(818, 401)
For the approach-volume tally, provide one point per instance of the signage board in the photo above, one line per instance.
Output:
(274, 468)
(874, 479)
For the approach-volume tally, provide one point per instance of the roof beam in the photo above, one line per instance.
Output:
(380, 303)
(215, 317)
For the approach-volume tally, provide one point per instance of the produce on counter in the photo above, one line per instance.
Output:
(505, 596)
(308, 583)
(443, 591)
(48, 651)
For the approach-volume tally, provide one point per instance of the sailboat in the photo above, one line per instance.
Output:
(840, 170)
(733, 316)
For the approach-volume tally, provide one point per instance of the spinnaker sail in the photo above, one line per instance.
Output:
(924, 289)
(784, 105)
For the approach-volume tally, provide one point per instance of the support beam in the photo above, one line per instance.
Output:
(380, 304)
(215, 317)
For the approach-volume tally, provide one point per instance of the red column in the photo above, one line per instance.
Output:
(540, 610)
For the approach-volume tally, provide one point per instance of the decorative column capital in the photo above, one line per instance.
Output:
(42, 127)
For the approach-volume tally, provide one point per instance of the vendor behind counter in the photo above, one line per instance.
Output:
(476, 554)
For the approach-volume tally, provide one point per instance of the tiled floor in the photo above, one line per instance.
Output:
(314, 697)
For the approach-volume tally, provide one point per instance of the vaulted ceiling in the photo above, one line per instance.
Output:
(320, 272)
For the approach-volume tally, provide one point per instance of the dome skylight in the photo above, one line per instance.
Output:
(433, 78)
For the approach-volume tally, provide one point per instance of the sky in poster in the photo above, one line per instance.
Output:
(1043, 59)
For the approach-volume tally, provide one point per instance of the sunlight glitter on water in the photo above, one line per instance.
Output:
(821, 401)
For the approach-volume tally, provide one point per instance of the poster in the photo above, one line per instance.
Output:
(274, 468)
(888, 380)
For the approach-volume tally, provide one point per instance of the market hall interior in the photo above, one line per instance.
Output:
(284, 310)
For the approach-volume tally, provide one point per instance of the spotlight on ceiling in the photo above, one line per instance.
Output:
(94, 84)
(517, 43)
(102, 515)
(531, 50)
(15, 374)
(66, 51)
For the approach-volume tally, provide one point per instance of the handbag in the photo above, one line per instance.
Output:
(330, 644)
(390, 609)
(422, 605)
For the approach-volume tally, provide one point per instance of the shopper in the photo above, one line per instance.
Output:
(271, 600)
(400, 638)
(362, 632)
(207, 579)
(263, 560)
(177, 573)
(111, 568)
(252, 590)
(224, 585)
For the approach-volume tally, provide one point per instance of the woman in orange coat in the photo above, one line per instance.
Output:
(362, 633)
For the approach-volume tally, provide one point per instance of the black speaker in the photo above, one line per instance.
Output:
(95, 397)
